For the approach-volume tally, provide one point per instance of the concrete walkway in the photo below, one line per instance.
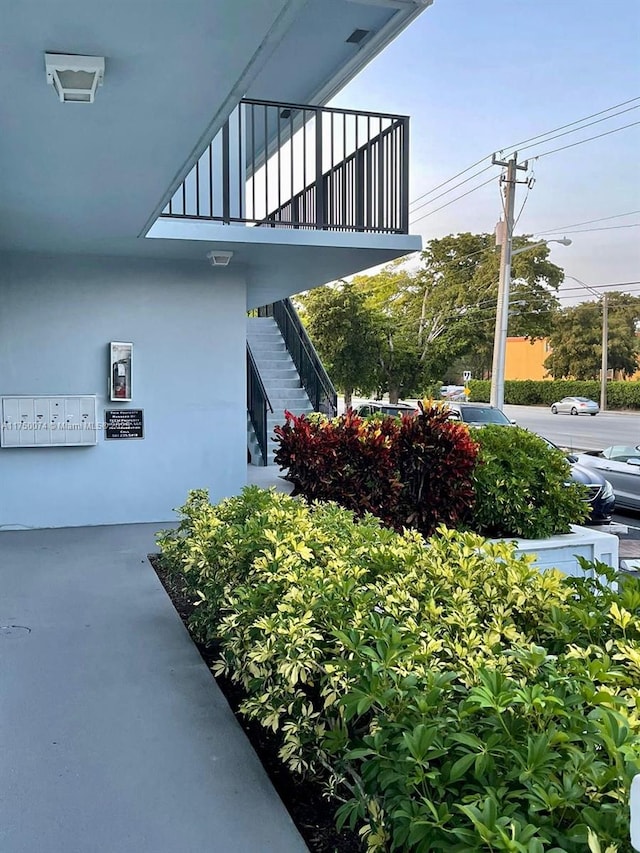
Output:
(114, 736)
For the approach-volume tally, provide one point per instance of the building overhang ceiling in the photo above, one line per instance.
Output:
(91, 177)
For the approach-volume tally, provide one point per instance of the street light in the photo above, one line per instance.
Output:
(502, 313)
(604, 363)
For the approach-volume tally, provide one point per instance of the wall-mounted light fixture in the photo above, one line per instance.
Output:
(75, 78)
(219, 259)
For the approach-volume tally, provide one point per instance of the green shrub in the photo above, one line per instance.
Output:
(523, 487)
(411, 471)
(527, 392)
(422, 471)
(450, 696)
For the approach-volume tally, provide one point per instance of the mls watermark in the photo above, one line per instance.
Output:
(53, 426)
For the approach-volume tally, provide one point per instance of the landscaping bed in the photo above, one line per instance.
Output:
(444, 694)
(427, 688)
(305, 801)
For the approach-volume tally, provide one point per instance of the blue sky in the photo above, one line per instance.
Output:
(478, 75)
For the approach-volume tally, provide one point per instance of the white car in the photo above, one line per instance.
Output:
(576, 406)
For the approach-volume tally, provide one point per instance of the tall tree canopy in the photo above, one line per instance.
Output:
(420, 320)
(446, 308)
(346, 335)
(576, 338)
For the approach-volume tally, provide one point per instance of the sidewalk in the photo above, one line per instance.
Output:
(114, 736)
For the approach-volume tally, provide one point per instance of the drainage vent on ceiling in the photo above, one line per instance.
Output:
(357, 36)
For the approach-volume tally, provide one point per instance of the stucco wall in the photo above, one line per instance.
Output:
(525, 359)
(187, 324)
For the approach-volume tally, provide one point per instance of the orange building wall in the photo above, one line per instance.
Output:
(524, 359)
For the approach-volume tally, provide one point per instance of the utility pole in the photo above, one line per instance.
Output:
(504, 285)
(604, 367)
(604, 363)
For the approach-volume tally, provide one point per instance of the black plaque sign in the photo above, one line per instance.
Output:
(123, 423)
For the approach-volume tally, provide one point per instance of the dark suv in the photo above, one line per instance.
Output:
(600, 495)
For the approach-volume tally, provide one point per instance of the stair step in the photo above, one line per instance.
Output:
(279, 376)
(282, 385)
(280, 398)
(267, 346)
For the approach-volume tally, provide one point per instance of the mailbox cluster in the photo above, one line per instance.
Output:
(48, 421)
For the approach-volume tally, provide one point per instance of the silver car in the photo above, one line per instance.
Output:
(576, 406)
(620, 465)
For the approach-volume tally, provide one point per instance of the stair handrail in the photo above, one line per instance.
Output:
(318, 385)
(257, 403)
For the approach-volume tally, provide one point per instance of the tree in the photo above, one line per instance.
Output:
(445, 310)
(576, 338)
(461, 290)
(390, 295)
(346, 334)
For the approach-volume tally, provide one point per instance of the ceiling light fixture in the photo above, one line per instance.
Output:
(219, 259)
(75, 78)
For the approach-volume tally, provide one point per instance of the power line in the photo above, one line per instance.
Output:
(530, 183)
(588, 139)
(448, 181)
(575, 130)
(603, 228)
(525, 141)
(472, 318)
(610, 284)
(536, 157)
(587, 222)
(451, 189)
(571, 124)
(457, 198)
(490, 301)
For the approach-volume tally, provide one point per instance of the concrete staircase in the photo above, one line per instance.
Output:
(279, 377)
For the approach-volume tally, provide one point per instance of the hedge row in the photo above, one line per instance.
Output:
(424, 470)
(448, 697)
(528, 392)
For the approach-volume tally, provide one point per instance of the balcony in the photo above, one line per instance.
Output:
(277, 165)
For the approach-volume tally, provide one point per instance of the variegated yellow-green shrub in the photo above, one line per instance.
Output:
(449, 696)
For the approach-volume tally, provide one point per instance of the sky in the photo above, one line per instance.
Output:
(478, 76)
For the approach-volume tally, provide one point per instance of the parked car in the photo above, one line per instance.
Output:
(576, 406)
(378, 407)
(620, 464)
(600, 494)
(452, 392)
(477, 414)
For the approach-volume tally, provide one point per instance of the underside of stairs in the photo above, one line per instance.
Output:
(279, 377)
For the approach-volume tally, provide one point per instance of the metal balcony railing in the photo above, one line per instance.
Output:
(294, 166)
(257, 405)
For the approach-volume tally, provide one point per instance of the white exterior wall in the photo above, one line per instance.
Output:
(187, 324)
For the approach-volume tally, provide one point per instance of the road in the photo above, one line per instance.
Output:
(581, 432)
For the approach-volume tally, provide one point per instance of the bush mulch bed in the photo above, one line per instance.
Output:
(309, 809)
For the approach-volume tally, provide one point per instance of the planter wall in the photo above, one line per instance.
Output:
(561, 552)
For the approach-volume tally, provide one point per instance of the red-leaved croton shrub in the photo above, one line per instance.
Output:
(413, 471)
(436, 458)
(349, 460)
